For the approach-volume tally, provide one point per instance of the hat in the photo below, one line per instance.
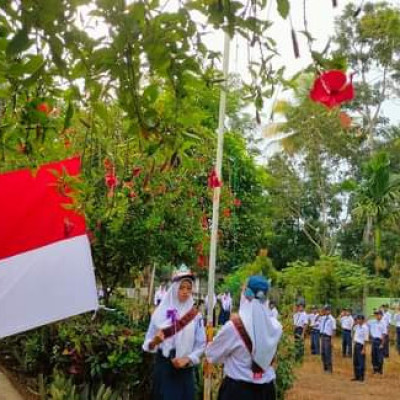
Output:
(258, 285)
(181, 273)
(378, 312)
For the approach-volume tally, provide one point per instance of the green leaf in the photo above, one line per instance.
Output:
(18, 43)
(283, 8)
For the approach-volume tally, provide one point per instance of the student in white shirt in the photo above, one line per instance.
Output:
(314, 319)
(378, 332)
(328, 328)
(387, 319)
(346, 322)
(360, 337)
(246, 345)
(300, 321)
(396, 321)
(160, 293)
(176, 334)
(226, 307)
(272, 309)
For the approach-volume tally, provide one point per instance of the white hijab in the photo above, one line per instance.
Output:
(264, 330)
(183, 341)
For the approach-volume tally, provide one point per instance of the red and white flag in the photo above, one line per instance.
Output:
(46, 269)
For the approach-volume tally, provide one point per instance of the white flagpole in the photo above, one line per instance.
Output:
(215, 218)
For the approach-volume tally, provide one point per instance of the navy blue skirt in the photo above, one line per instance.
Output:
(170, 383)
(232, 389)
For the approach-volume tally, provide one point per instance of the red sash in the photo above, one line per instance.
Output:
(238, 324)
(180, 323)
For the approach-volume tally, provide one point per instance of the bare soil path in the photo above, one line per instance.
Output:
(7, 391)
(313, 384)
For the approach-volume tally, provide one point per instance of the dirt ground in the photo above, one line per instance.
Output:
(7, 391)
(313, 384)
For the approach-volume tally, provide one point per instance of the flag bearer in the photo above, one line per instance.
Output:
(176, 333)
(378, 332)
(300, 321)
(328, 328)
(360, 338)
(346, 322)
(246, 345)
(314, 319)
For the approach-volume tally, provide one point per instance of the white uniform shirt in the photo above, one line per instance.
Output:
(199, 341)
(361, 333)
(314, 321)
(228, 348)
(300, 319)
(347, 322)
(387, 318)
(274, 312)
(396, 319)
(378, 329)
(328, 325)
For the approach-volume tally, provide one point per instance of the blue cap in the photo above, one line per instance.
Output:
(258, 285)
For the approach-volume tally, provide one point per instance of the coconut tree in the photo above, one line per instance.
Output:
(377, 201)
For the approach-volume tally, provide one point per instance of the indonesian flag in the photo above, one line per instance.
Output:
(46, 270)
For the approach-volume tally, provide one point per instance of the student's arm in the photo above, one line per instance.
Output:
(199, 342)
(153, 339)
(223, 344)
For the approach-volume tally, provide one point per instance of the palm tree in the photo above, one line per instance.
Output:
(377, 201)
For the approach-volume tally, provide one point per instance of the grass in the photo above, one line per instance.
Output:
(313, 384)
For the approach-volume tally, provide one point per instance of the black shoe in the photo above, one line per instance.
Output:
(354, 379)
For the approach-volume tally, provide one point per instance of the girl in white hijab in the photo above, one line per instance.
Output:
(246, 345)
(176, 333)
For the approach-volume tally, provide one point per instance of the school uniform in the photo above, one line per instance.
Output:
(300, 320)
(226, 306)
(246, 346)
(328, 327)
(273, 312)
(315, 322)
(396, 320)
(346, 322)
(189, 341)
(387, 318)
(377, 331)
(360, 337)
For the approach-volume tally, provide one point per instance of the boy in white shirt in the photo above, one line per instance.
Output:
(300, 321)
(328, 328)
(360, 337)
(346, 322)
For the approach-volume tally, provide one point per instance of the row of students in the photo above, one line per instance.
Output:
(355, 334)
(246, 345)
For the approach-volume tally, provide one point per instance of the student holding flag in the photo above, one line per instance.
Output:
(176, 333)
(246, 345)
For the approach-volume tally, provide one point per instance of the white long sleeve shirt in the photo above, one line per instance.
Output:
(199, 342)
(228, 348)
(396, 319)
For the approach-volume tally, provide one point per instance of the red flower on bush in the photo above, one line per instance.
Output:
(227, 212)
(237, 202)
(213, 180)
(44, 108)
(332, 88)
(111, 180)
(136, 171)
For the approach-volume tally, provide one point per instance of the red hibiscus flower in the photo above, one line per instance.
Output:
(111, 180)
(136, 172)
(227, 212)
(345, 120)
(213, 180)
(237, 202)
(332, 88)
(44, 108)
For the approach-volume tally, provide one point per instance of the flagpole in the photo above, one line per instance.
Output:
(215, 217)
